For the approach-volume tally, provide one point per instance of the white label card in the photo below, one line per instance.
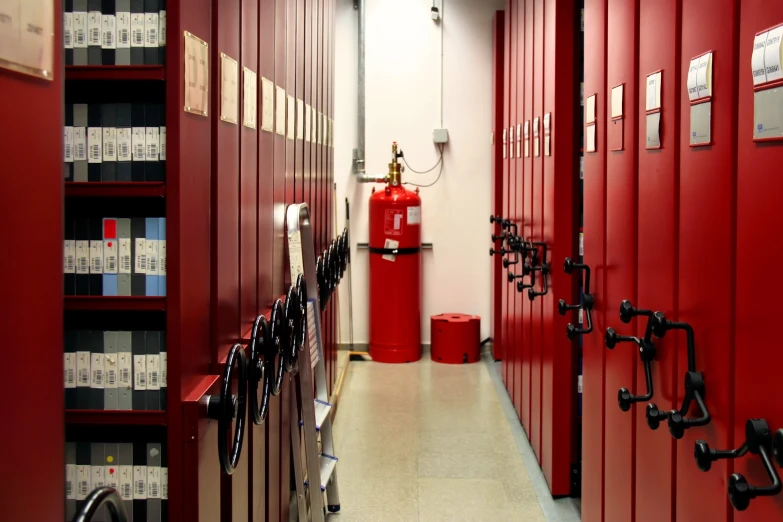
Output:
(140, 261)
(590, 109)
(590, 138)
(162, 257)
(153, 482)
(69, 370)
(162, 133)
(94, 26)
(535, 127)
(773, 54)
(152, 256)
(162, 28)
(126, 482)
(267, 105)
(109, 144)
(110, 365)
(693, 91)
(124, 256)
(68, 30)
(164, 483)
(68, 144)
(151, 143)
(414, 215)
(151, 27)
(153, 372)
(757, 59)
(83, 482)
(249, 95)
(97, 370)
(139, 482)
(139, 139)
(123, 30)
(164, 369)
(547, 120)
(140, 372)
(617, 101)
(69, 256)
(390, 244)
(109, 36)
(124, 369)
(79, 144)
(196, 75)
(96, 257)
(229, 74)
(111, 475)
(95, 144)
(124, 143)
(82, 257)
(137, 30)
(82, 369)
(70, 481)
(79, 30)
(280, 111)
(704, 76)
(110, 256)
(653, 98)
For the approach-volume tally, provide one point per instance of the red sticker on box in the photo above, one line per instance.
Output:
(393, 221)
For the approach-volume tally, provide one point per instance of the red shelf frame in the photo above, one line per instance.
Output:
(154, 304)
(115, 72)
(140, 189)
(113, 417)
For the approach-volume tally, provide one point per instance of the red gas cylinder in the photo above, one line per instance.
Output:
(456, 338)
(395, 271)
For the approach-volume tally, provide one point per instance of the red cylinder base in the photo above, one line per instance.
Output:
(456, 338)
(395, 353)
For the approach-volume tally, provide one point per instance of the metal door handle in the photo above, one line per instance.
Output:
(97, 498)
(227, 408)
(758, 441)
(587, 301)
(647, 353)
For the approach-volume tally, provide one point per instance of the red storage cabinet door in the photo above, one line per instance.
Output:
(513, 177)
(504, 321)
(518, 196)
(558, 383)
(621, 44)
(706, 252)
(593, 349)
(758, 357)
(527, 215)
(657, 271)
(537, 232)
(498, 91)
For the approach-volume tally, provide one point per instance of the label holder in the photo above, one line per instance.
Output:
(654, 116)
(702, 112)
(616, 124)
(768, 92)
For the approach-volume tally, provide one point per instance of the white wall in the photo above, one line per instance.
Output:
(403, 96)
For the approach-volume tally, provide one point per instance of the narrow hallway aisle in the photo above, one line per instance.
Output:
(428, 442)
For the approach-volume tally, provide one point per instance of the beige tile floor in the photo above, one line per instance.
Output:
(428, 442)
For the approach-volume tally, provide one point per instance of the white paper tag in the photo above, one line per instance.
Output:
(140, 261)
(79, 144)
(137, 30)
(110, 366)
(153, 482)
(617, 101)
(164, 483)
(693, 90)
(162, 29)
(96, 370)
(94, 26)
(162, 137)
(109, 144)
(140, 372)
(414, 215)
(390, 243)
(68, 144)
(69, 256)
(110, 256)
(70, 481)
(124, 265)
(152, 256)
(111, 475)
(109, 33)
(295, 256)
(82, 257)
(83, 482)
(653, 98)
(139, 482)
(126, 482)
(138, 142)
(123, 30)
(547, 119)
(249, 96)
(772, 54)
(82, 369)
(162, 257)
(535, 127)
(69, 370)
(704, 76)
(229, 89)
(96, 257)
(267, 105)
(757, 59)
(97, 478)
(95, 144)
(590, 138)
(152, 143)
(124, 369)
(590, 109)
(164, 369)
(124, 143)
(68, 30)
(153, 372)
(151, 27)
(79, 30)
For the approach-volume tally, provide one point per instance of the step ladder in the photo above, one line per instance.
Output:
(311, 423)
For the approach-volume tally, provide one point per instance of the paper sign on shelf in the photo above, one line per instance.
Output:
(653, 91)
(196, 75)
(757, 59)
(772, 54)
(704, 76)
(590, 109)
(617, 101)
(691, 83)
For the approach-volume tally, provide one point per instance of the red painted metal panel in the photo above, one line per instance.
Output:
(593, 349)
(621, 187)
(513, 79)
(498, 275)
(759, 186)
(309, 188)
(659, 48)
(518, 196)
(31, 193)
(505, 289)
(707, 206)
(561, 181)
(527, 220)
(537, 223)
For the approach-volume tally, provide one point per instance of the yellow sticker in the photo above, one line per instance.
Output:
(109, 459)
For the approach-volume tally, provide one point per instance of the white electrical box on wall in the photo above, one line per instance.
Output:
(440, 136)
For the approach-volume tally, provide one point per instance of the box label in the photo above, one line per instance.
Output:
(153, 482)
(82, 257)
(69, 256)
(153, 372)
(152, 256)
(79, 30)
(124, 144)
(151, 26)
(140, 372)
(69, 370)
(126, 483)
(82, 369)
(164, 369)
(96, 257)
(124, 256)
(95, 143)
(68, 144)
(140, 263)
(139, 482)
(79, 144)
(123, 30)
(83, 482)
(162, 29)
(109, 144)
(109, 36)
(68, 30)
(110, 367)
(162, 257)
(70, 481)
(152, 142)
(162, 137)
(139, 143)
(94, 23)
(110, 256)
(137, 30)
(96, 366)
(124, 369)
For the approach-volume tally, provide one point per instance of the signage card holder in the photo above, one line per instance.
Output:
(768, 85)
(699, 86)
(616, 125)
(590, 124)
(653, 115)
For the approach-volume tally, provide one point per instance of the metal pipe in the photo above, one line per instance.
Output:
(358, 153)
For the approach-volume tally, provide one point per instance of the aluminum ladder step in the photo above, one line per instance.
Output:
(322, 409)
(328, 463)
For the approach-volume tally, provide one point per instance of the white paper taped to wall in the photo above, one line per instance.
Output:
(617, 101)
(693, 91)
(757, 60)
(772, 54)
(704, 76)
(653, 91)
